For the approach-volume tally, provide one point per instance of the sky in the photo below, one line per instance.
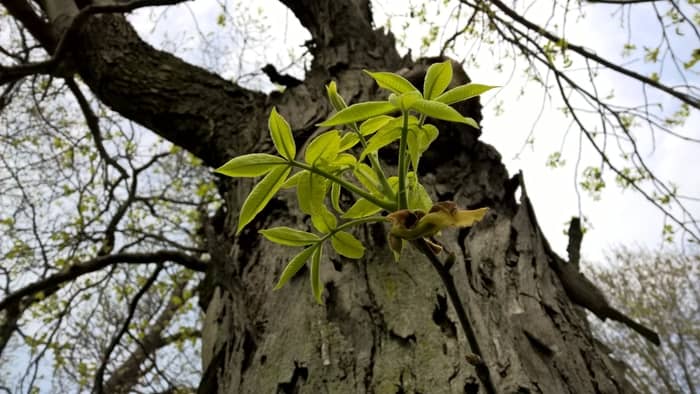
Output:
(619, 217)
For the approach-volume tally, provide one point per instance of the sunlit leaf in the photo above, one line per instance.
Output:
(261, 194)
(335, 99)
(419, 139)
(295, 265)
(347, 245)
(289, 236)
(316, 286)
(382, 138)
(343, 161)
(323, 219)
(281, 135)
(442, 111)
(406, 100)
(348, 141)
(418, 197)
(311, 191)
(371, 125)
(463, 92)
(335, 197)
(360, 209)
(367, 177)
(325, 147)
(292, 180)
(358, 112)
(437, 79)
(252, 165)
(393, 82)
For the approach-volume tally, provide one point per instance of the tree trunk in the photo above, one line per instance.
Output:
(385, 327)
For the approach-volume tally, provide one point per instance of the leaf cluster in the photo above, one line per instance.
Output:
(346, 157)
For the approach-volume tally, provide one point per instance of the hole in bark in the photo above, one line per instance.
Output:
(471, 386)
(440, 318)
(249, 348)
(331, 301)
(378, 234)
(263, 359)
(406, 341)
(299, 375)
(337, 265)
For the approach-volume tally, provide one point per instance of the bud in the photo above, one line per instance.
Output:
(336, 100)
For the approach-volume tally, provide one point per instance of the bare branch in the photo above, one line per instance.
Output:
(99, 375)
(99, 263)
(686, 98)
(94, 126)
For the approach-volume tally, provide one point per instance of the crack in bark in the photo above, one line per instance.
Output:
(299, 376)
(379, 326)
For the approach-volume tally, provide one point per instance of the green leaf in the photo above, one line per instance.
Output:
(336, 99)
(463, 92)
(347, 245)
(437, 79)
(295, 265)
(348, 141)
(292, 180)
(406, 100)
(382, 138)
(419, 139)
(442, 111)
(359, 111)
(323, 219)
(311, 191)
(335, 197)
(252, 165)
(360, 209)
(281, 135)
(316, 286)
(343, 161)
(367, 177)
(289, 236)
(371, 125)
(325, 147)
(261, 194)
(393, 82)
(418, 197)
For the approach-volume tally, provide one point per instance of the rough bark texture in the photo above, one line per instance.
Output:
(385, 327)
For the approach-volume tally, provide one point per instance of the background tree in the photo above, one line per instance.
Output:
(111, 228)
(663, 286)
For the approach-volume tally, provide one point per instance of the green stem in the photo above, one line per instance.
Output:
(342, 182)
(376, 166)
(356, 222)
(403, 165)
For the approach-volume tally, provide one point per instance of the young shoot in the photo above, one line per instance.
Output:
(346, 157)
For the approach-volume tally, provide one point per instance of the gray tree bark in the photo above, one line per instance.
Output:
(385, 327)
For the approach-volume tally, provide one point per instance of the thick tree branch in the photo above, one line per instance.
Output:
(99, 263)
